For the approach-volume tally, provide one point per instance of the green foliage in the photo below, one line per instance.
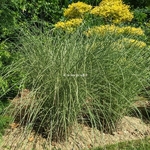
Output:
(38, 11)
(4, 120)
(133, 3)
(5, 59)
(141, 19)
(3, 124)
(141, 16)
(16, 14)
(8, 19)
(129, 145)
(138, 3)
(67, 2)
(8, 85)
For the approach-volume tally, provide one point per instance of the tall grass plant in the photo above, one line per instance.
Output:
(77, 79)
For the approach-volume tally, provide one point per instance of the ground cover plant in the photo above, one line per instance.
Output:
(79, 72)
(129, 145)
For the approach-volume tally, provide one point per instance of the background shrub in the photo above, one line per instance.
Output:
(138, 3)
(16, 15)
(133, 3)
(5, 59)
(8, 85)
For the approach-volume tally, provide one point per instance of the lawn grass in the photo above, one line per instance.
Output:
(143, 144)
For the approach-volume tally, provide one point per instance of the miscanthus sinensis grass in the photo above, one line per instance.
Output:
(77, 79)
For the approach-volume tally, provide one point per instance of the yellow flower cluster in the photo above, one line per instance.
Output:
(133, 30)
(128, 42)
(134, 42)
(77, 10)
(113, 10)
(69, 25)
(104, 29)
(125, 44)
(101, 30)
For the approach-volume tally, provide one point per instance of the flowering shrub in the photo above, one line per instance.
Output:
(113, 11)
(128, 42)
(77, 10)
(109, 11)
(104, 29)
(136, 43)
(133, 30)
(69, 25)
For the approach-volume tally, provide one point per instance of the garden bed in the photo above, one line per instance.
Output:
(82, 137)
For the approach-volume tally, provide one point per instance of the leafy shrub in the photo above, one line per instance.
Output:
(91, 2)
(5, 59)
(16, 14)
(38, 11)
(8, 84)
(138, 3)
(141, 15)
(8, 19)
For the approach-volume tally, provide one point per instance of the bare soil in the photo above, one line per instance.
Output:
(82, 137)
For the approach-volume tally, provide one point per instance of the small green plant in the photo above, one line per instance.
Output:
(8, 85)
(5, 59)
(128, 145)
(4, 120)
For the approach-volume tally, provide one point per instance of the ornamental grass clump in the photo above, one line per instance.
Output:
(73, 79)
(113, 11)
